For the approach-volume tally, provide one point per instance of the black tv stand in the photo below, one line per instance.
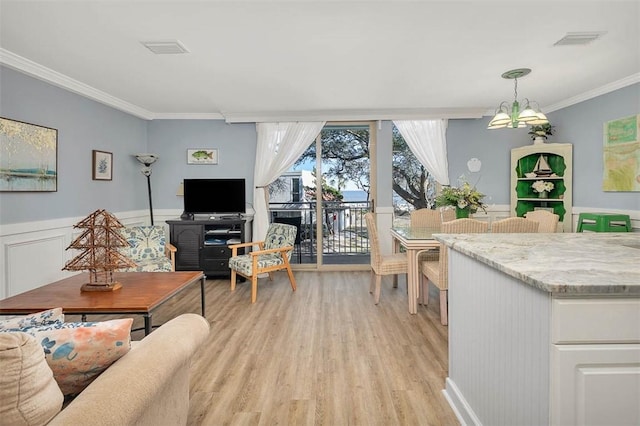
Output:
(203, 244)
(228, 216)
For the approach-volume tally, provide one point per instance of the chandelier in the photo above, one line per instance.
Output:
(511, 116)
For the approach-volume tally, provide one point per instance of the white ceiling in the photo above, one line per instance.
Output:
(325, 59)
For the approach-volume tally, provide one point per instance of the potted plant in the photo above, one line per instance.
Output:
(540, 132)
(542, 188)
(465, 198)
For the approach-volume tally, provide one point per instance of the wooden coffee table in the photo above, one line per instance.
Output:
(141, 294)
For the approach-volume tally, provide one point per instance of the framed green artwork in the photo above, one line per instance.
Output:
(622, 154)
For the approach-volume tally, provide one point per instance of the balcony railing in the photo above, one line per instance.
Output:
(344, 231)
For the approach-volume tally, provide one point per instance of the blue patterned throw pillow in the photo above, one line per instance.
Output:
(50, 316)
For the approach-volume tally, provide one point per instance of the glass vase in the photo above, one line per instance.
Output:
(462, 213)
(543, 194)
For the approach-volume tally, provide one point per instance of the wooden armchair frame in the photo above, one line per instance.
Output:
(255, 270)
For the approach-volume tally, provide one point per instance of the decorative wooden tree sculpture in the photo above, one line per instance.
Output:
(99, 251)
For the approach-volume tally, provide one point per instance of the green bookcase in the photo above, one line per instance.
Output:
(559, 158)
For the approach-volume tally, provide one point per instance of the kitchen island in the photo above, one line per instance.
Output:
(544, 328)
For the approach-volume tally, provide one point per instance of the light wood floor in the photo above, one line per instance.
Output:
(324, 355)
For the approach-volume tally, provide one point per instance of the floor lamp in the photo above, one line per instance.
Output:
(147, 160)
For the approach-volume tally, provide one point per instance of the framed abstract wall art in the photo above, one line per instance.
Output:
(28, 157)
(622, 155)
(202, 156)
(102, 165)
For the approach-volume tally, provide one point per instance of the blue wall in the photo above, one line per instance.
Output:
(170, 139)
(580, 124)
(583, 125)
(84, 125)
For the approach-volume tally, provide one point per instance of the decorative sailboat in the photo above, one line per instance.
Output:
(542, 167)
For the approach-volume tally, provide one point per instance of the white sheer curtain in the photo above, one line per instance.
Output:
(279, 146)
(427, 141)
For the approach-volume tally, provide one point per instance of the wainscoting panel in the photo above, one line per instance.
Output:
(502, 375)
(31, 263)
(33, 254)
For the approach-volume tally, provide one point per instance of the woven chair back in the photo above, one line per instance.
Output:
(464, 226)
(448, 214)
(374, 241)
(456, 226)
(547, 221)
(426, 218)
(514, 225)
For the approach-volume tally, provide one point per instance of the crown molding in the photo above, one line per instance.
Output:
(188, 116)
(48, 75)
(602, 90)
(354, 115)
(55, 78)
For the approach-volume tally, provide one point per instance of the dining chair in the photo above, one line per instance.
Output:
(273, 254)
(388, 264)
(427, 218)
(438, 271)
(547, 221)
(514, 225)
(447, 214)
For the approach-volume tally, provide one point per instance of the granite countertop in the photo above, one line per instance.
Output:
(580, 263)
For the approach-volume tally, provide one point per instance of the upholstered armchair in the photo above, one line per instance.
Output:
(149, 249)
(273, 254)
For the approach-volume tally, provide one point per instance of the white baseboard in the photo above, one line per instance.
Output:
(459, 405)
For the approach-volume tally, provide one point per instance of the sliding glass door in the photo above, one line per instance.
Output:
(327, 192)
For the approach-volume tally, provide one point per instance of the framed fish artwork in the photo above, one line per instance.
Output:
(202, 156)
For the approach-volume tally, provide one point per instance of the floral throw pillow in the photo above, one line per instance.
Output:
(50, 316)
(77, 352)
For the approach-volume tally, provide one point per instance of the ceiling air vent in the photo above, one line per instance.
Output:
(577, 39)
(165, 47)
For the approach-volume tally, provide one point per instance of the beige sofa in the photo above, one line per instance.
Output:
(148, 386)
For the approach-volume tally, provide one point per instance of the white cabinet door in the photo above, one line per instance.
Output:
(595, 384)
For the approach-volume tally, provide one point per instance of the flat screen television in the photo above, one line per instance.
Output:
(214, 196)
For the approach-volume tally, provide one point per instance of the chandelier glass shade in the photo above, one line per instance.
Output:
(511, 116)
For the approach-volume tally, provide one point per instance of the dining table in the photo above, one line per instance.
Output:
(414, 240)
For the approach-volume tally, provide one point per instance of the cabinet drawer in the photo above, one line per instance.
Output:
(595, 320)
(215, 265)
(215, 251)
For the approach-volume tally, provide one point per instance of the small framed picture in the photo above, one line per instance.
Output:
(202, 156)
(102, 165)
